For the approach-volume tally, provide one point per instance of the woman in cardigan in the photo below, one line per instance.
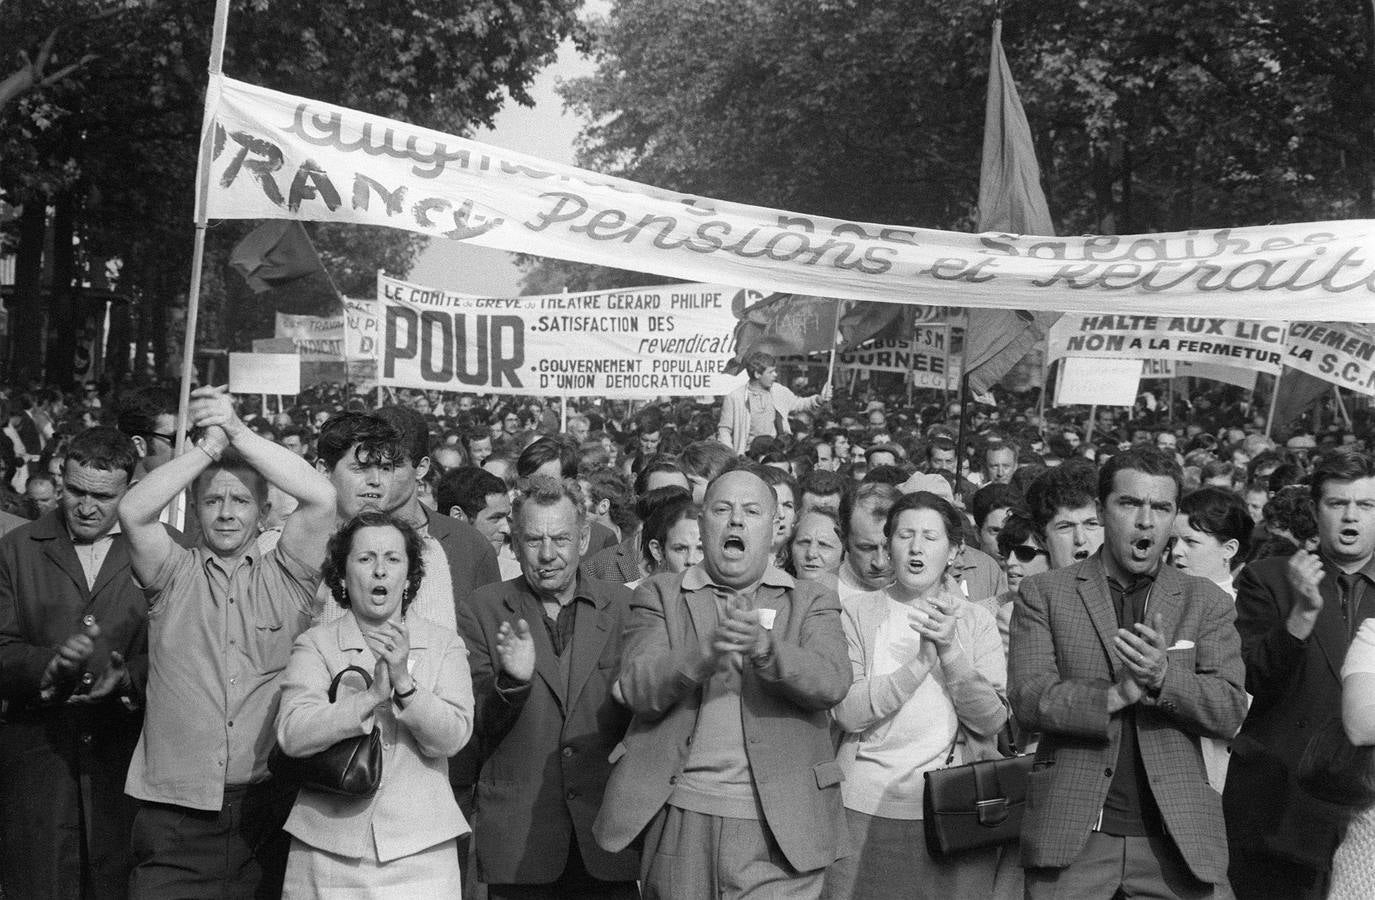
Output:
(929, 692)
(422, 700)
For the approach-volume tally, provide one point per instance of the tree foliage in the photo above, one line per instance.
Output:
(119, 133)
(1148, 117)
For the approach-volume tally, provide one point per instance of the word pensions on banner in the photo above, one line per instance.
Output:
(272, 155)
(1234, 342)
(631, 343)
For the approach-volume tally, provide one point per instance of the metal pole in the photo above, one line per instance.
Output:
(1274, 399)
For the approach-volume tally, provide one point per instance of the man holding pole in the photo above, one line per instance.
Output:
(222, 617)
(762, 406)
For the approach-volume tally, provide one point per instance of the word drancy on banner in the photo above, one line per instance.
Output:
(640, 342)
(1234, 342)
(272, 155)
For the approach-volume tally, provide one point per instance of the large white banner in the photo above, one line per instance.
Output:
(639, 342)
(1233, 342)
(1340, 353)
(272, 155)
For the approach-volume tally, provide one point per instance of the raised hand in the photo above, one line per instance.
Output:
(1304, 573)
(391, 642)
(516, 650)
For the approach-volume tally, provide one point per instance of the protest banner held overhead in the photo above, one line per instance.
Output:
(1232, 342)
(637, 342)
(276, 156)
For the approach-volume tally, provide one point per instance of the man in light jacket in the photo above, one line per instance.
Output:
(762, 406)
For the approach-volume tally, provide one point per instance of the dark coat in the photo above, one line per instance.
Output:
(545, 746)
(1296, 687)
(55, 756)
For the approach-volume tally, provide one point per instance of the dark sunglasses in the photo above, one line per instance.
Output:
(1026, 554)
(169, 438)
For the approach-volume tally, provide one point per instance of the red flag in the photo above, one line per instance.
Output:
(275, 253)
(1011, 200)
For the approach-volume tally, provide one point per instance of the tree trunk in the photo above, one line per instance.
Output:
(63, 317)
(26, 318)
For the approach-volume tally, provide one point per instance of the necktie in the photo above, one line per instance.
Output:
(563, 626)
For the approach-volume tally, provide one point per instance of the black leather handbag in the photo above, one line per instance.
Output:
(350, 768)
(976, 805)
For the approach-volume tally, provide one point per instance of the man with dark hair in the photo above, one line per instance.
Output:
(1123, 664)
(222, 619)
(1064, 509)
(701, 462)
(478, 497)
(822, 489)
(990, 507)
(548, 456)
(73, 665)
(761, 406)
(148, 415)
(863, 514)
(544, 650)
(1297, 615)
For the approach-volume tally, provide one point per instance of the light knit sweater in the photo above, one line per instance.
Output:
(974, 679)
(733, 429)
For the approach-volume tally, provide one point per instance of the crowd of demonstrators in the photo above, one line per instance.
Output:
(680, 649)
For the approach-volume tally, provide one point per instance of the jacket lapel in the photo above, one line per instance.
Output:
(1330, 630)
(57, 547)
(1094, 594)
(591, 628)
(1165, 598)
(702, 612)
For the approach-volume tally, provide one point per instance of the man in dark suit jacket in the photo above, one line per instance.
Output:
(731, 667)
(1296, 616)
(544, 650)
(74, 713)
(1118, 799)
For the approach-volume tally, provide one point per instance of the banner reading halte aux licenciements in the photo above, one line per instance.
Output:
(272, 155)
(1237, 343)
(636, 342)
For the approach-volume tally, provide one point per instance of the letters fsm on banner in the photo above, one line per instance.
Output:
(1233, 342)
(638, 342)
(272, 155)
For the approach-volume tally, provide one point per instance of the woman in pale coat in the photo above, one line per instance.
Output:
(401, 842)
(929, 692)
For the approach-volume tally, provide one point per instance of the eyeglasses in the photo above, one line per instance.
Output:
(1026, 554)
(169, 438)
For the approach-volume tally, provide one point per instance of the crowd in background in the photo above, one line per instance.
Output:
(861, 588)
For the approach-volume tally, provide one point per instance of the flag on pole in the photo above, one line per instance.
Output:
(1010, 200)
(783, 325)
(274, 254)
(795, 325)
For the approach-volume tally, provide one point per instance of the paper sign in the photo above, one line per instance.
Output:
(1098, 382)
(264, 373)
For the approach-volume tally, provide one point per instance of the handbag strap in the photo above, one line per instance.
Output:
(334, 685)
(950, 756)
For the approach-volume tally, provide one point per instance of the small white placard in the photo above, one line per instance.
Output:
(1098, 382)
(264, 373)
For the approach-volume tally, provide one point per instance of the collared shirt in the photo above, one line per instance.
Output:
(220, 635)
(92, 555)
(760, 408)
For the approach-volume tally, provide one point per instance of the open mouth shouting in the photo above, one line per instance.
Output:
(1349, 536)
(733, 546)
(1141, 549)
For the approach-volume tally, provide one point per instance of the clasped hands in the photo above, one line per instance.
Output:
(71, 657)
(739, 631)
(390, 642)
(1142, 650)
